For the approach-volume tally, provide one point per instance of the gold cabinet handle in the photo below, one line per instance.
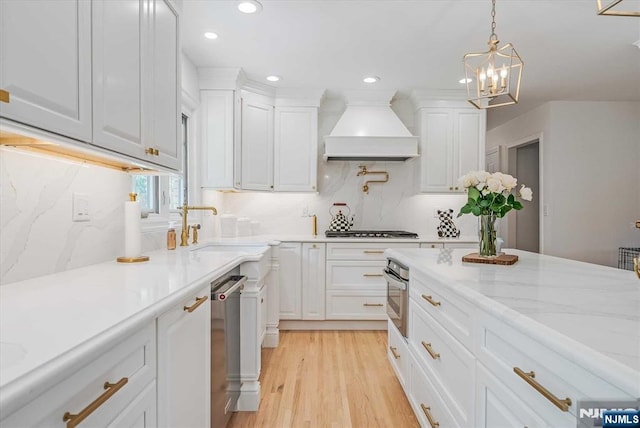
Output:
(148, 151)
(394, 351)
(156, 152)
(451, 188)
(430, 300)
(373, 251)
(199, 301)
(4, 96)
(427, 412)
(529, 378)
(430, 350)
(73, 420)
(372, 275)
(636, 266)
(372, 304)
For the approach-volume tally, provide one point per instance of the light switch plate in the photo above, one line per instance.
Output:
(81, 211)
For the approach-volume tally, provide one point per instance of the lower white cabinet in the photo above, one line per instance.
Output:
(398, 355)
(120, 380)
(184, 353)
(313, 291)
(290, 273)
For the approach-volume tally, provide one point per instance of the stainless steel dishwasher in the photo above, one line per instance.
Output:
(225, 347)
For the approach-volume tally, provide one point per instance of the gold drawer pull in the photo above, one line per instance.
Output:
(394, 352)
(199, 301)
(73, 420)
(429, 349)
(636, 266)
(152, 151)
(4, 96)
(430, 300)
(372, 304)
(372, 275)
(529, 378)
(427, 412)
(373, 251)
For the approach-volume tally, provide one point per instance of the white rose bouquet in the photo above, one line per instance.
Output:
(490, 194)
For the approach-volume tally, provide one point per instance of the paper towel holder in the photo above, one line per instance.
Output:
(132, 198)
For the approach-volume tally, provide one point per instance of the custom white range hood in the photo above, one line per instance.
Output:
(369, 130)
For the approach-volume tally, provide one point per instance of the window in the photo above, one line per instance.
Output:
(161, 196)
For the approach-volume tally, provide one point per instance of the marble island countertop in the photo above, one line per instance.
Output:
(431, 239)
(48, 323)
(584, 311)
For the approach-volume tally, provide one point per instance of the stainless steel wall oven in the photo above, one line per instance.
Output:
(397, 276)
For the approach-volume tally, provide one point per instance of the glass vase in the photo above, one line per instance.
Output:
(487, 232)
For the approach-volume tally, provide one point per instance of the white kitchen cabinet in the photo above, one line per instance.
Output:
(295, 149)
(184, 354)
(136, 79)
(257, 145)
(313, 281)
(124, 373)
(262, 330)
(220, 153)
(398, 355)
(46, 65)
(290, 272)
(452, 143)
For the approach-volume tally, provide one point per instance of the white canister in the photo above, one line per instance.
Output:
(228, 225)
(244, 226)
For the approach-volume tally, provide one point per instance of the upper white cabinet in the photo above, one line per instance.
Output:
(45, 52)
(452, 141)
(296, 149)
(257, 144)
(135, 79)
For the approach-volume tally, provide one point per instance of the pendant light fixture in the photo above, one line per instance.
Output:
(609, 9)
(493, 77)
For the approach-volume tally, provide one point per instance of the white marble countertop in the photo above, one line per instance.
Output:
(472, 241)
(48, 323)
(586, 312)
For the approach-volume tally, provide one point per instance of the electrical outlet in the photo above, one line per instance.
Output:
(80, 207)
(545, 210)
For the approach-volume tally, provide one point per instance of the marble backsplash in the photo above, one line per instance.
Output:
(37, 234)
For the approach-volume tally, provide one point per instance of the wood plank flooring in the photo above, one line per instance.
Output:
(328, 379)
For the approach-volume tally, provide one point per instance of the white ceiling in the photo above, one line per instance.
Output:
(569, 52)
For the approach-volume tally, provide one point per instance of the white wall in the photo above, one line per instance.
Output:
(392, 205)
(591, 175)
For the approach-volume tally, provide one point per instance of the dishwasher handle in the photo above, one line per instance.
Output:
(393, 281)
(223, 289)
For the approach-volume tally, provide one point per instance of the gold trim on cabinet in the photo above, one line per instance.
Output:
(427, 412)
(372, 304)
(73, 420)
(430, 350)
(372, 275)
(199, 301)
(529, 378)
(394, 351)
(5, 96)
(373, 251)
(430, 300)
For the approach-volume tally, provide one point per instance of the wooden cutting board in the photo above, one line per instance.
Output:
(502, 259)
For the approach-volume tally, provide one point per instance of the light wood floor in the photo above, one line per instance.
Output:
(328, 379)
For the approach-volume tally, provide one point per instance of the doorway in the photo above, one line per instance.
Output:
(523, 162)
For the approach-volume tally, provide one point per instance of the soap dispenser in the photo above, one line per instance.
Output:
(171, 236)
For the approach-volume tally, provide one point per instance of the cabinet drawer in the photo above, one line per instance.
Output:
(451, 365)
(432, 245)
(425, 400)
(360, 305)
(444, 306)
(398, 354)
(351, 275)
(503, 349)
(363, 251)
(132, 361)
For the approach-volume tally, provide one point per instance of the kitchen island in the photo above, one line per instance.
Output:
(544, 323)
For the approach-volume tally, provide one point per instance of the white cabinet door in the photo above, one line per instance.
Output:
(184, 355)
(262, 312)
(141, 413)
(45, 52)
(296, 149)
(313, 281)
(290, 281)
(257, 145)
(218, 139)
(469, 141)
(164, 112)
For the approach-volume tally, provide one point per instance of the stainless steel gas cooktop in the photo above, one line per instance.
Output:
(370, 234)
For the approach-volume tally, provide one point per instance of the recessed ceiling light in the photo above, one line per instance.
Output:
(371, 79)
(465, 80)
(249, 6)
(273, 78)
(211, 35)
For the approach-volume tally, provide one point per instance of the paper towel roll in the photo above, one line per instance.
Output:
(132, 231)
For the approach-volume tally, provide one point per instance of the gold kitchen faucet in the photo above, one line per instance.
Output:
(184, 236)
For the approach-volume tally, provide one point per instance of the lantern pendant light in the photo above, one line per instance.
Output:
(493, 77)
(610, 8)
